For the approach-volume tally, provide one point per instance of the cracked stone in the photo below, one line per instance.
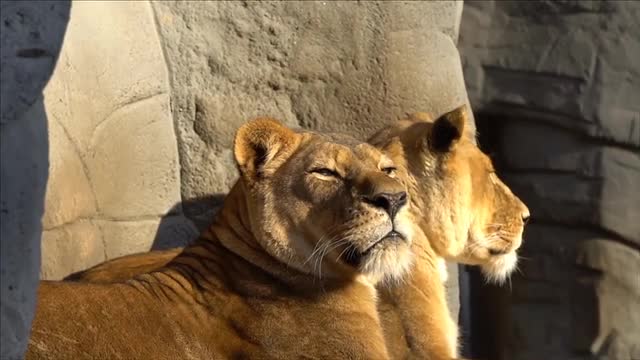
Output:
(69, 193)
(133, 163)
(71, 248)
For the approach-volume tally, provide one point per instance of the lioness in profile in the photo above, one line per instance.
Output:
(284, 271)
(467, 214)
(470, 216)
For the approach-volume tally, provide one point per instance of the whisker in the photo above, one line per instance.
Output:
(327, 249)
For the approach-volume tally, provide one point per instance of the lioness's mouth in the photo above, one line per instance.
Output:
(354, 257)
(497, 252)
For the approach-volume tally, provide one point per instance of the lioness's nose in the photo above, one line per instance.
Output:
(391, 203)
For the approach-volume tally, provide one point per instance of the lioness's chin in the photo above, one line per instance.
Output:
(498, 268)
(387, 261)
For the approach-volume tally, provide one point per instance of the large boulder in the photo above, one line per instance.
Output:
(114, 161)
(343, 66)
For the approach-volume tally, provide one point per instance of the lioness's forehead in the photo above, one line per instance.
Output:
(337, 138)
(343, 148)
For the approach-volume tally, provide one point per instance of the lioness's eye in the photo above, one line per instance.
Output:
(326, 172)
(390, 170)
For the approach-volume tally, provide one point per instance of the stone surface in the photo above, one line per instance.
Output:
(579, 65)
(129, 237)
(133, 162)
(343, 66)
(31, 35)
(618, 297)
(114, 160)
(563, 177)
(597, 311)
(174, 231)
(70, 248)
(555, 86)
(71, 196)
(84, 243)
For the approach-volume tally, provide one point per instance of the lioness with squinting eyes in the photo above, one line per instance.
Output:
(285, 271)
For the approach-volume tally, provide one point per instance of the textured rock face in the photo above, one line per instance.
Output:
(114, 163)
(578, 60)
(344, 66)
(30, 40)
(557, 83)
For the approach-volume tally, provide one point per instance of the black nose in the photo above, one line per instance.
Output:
(525, 218)
(391, 203)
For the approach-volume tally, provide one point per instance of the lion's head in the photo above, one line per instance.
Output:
(467, 213)
(324, 203)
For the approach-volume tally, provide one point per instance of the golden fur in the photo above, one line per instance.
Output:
(125, 267)
(467, 214)
(283, 272)
(454, 194)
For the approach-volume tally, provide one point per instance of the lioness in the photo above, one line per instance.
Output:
(470, 216)
(467, 213)
(282, 273)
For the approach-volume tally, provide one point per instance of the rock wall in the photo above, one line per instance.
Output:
(556, 85)
(30, 41)
(114, 168)
(342, 66)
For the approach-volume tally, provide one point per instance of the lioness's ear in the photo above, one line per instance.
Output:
(260, 146)
(447, 130)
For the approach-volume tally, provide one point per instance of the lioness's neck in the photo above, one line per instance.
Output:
(231, 233)
(428, 207)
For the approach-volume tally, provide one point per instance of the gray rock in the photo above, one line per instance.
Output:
(555, 316)
(585, 79)
(348, 67)
(557, 86)
(566, 178)
(30, 39)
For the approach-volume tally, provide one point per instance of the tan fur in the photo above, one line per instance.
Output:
(464, 208)
(125, 267)
(283, 272)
